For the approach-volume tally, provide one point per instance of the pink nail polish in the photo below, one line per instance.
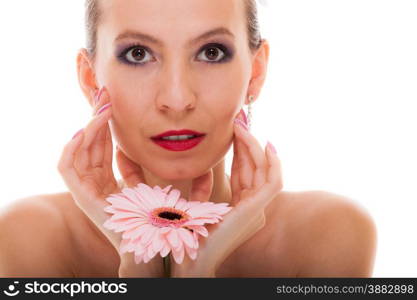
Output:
(77, 133)
(245, 119)
(103, 108)
(98, 95)
(240, 123)
(271, 147)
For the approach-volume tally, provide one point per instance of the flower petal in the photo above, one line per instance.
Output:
(124, 221)
(165, 230)
(181, 204)
(166, 189)
(192, 253)
(109, 209)
(158, 241)
(125, 215)
(125, 204)
(151, 252)
(196, 239)
(187, 237)
(208, 209)
(138, 232)
(172, 198)
(124, 246)
(139, 258)
(129, 225)
(173, 238)
(178, 254)
(199, 229)
(147, 195)
(199, 222)
(191, 204)
(148, 235)
(146, 258)
(138, 247)
(165, 250)
(134, 197)
(198, 210)
(114, 225)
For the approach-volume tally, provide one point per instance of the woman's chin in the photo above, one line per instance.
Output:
(177, 173)
(176, 176)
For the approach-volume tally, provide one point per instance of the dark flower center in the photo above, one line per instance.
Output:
(169, 215)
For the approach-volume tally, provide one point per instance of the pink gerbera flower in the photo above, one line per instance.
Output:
(155, 220)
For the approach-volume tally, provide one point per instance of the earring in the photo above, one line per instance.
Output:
(250, 111)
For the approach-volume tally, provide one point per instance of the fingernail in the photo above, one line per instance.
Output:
(240, 122)
(98, 95)
(245, 119)
(77, 133)
(103, 108)
(269, 144)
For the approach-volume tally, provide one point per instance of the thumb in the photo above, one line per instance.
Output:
(201, 187)
(132, 173)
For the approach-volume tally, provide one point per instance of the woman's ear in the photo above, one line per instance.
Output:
(86, 75)
(259, 69)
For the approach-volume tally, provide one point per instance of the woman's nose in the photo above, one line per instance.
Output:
(175, 89)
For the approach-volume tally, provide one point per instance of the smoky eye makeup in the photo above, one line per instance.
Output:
(136, 54)
(132, 50)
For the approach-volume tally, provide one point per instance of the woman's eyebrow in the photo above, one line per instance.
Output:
(153, 40)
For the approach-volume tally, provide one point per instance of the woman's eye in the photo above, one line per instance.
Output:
(136, 55)
(212, 53)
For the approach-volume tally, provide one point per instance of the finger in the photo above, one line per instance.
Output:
(234, 177)
(82, 160)
(244, 163)
(274, 183)
(66, 162)
(256, 153)
(202, 187)
(108, 148)
(132, 173)
(274, 173)
(98, 101)
(98, 146)
(242, 170)
(108, 158)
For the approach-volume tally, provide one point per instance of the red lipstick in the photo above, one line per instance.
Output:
(177, 132)
(180, 140)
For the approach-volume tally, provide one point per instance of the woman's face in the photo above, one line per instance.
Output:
(172, 79)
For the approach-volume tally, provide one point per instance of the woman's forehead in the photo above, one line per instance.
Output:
(162, 17)
(190, 8)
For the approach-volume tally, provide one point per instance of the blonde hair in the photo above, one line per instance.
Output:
(93, 17)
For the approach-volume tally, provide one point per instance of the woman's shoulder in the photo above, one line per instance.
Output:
(34, 212)
(313, 203)
(328, 234)
(50, 231)
(53, 210)
(26, 226)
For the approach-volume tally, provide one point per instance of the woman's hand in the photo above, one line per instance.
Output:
(255, 181)
(86, 167)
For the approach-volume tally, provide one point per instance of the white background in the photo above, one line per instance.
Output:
(339, 104)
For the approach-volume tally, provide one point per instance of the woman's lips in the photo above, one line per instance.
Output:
(179, 145)
(177, 132)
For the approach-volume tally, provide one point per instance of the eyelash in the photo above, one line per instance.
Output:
(227, 54)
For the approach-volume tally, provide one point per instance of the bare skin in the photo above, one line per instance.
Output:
(307, 234)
